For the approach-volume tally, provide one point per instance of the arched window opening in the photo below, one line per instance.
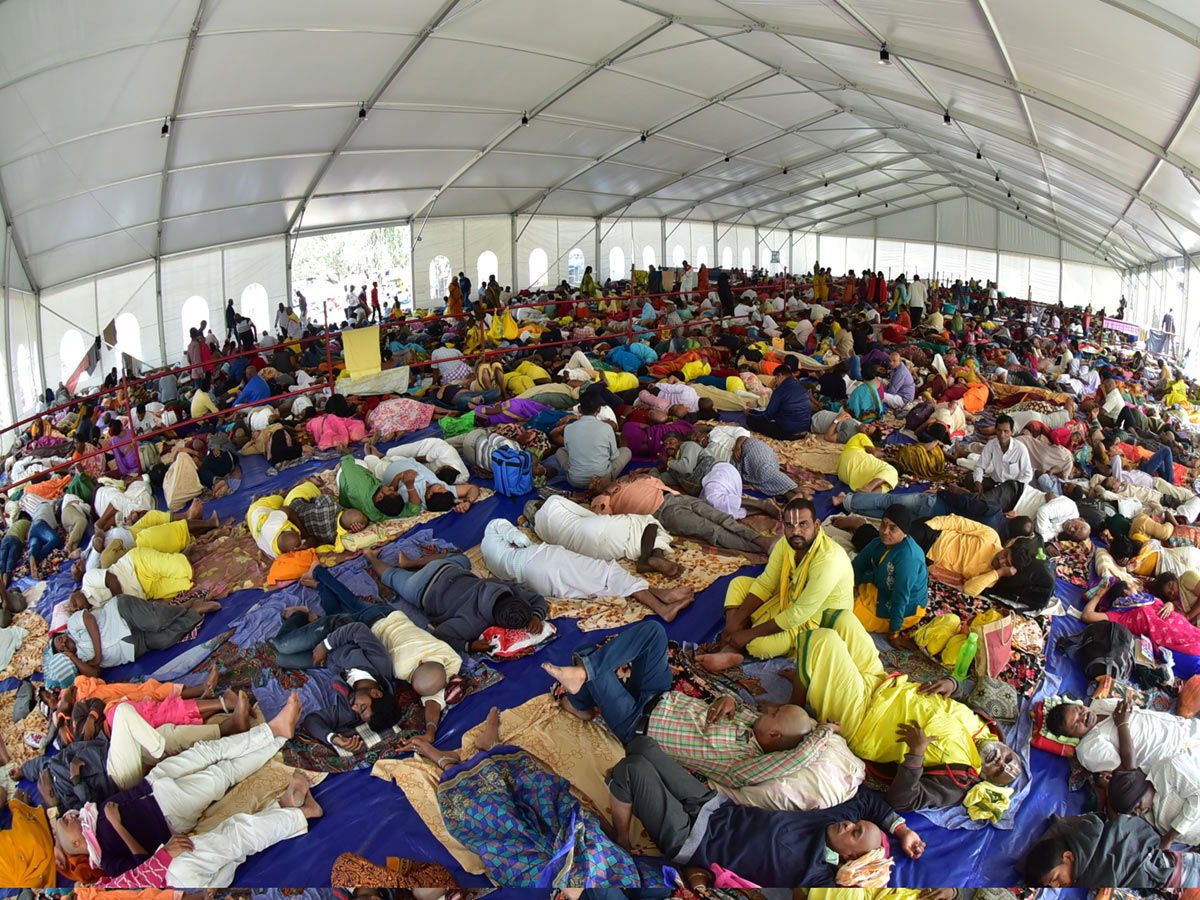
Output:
(575, 265)
(256, 307)
(71, 350)
(539, 268)
(747, 259)
(678, 256)
(129, 335)
(701, 256)
(191, 314)
(647, 257)
(487, 265)
(439, 278)
(616, 264)
(727, 258)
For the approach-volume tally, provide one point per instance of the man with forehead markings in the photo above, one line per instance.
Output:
(807, 576)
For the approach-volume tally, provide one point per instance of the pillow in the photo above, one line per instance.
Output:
(996, 699)
(830, 778)
(1045, 740)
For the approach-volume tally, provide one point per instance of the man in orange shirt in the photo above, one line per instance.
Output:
(680, 514)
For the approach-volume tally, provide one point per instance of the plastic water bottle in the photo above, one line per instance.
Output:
(966, 655)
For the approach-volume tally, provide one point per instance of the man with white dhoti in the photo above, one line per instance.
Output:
(553, 571)
(437, 454)
(642, 538)
(128, 500)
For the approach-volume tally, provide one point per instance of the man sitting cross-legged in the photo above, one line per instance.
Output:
(729, 743)
(807, 574)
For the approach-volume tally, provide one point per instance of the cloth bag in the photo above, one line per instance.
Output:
(995, 630)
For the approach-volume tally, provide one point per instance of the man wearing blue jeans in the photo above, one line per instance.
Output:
(1161, 464)
(300, 634)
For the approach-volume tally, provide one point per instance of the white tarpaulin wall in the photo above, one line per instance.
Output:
(1015, 136)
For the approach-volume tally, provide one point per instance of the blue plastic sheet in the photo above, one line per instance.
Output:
(373, 818)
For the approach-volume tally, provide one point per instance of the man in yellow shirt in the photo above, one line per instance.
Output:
(26, 845)
(202, 402)
(807, 575)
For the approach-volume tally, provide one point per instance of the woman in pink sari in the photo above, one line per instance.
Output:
(331, 431)
(1145, 614)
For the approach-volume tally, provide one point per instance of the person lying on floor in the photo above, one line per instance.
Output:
(364, 686)
(212, 858)
(1163, 793)
(432, 491)
(141, 572)
(973, 552)
(417, 657)
(172, 797)
(554, 571)
(27, 851)
(1153, 736)
(690, 467)
(701, 830)
(440, 593)
(135, 745)
(807, 574)
(950, 750)
(558, 520)
(729, 743)
(1122, 852)
(438, 455)
(124, 628)
(359, 489)
(504, 806)
(644, 494)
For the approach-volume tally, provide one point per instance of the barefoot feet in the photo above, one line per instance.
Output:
(489, 737)
(285, 722)
(572, 678)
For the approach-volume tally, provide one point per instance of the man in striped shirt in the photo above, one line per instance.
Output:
(727, 742)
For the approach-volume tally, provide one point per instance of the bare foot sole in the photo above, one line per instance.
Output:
(284, 723)
(196, 509)
(720, 661)
(673, 609)
(210, 683)
(663, 566)
(572, 678)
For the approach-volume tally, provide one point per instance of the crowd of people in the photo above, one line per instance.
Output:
(977, 445)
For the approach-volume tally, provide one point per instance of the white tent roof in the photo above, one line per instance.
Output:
(1085, 109)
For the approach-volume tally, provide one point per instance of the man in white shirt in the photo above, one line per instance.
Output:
(687, 281)
(1153, 736)
(554, 571)
(916, 300)
(745, 313)
(1003, 459)
(1052, 515)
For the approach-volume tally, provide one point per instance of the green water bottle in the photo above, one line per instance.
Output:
(965, 655)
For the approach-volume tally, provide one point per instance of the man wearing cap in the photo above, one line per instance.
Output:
(891, 580)
(789, 411)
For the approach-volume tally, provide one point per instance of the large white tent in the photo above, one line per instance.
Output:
(1051, 145)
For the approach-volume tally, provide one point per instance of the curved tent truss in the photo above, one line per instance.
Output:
(290, 116)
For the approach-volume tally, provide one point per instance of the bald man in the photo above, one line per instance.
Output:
(729, 743)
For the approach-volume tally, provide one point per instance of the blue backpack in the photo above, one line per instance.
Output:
(512, 471)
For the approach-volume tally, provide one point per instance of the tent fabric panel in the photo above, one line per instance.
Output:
(495, 234)
(439, 237)
(132, 291)
(226, 226)
(262, 263)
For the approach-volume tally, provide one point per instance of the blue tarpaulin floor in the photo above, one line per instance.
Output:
(373, 818)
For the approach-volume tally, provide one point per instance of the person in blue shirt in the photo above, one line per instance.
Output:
(788, 415)
(255, 390)
(642, 351)
(629, 362)
(891, 579)
(865, 402)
